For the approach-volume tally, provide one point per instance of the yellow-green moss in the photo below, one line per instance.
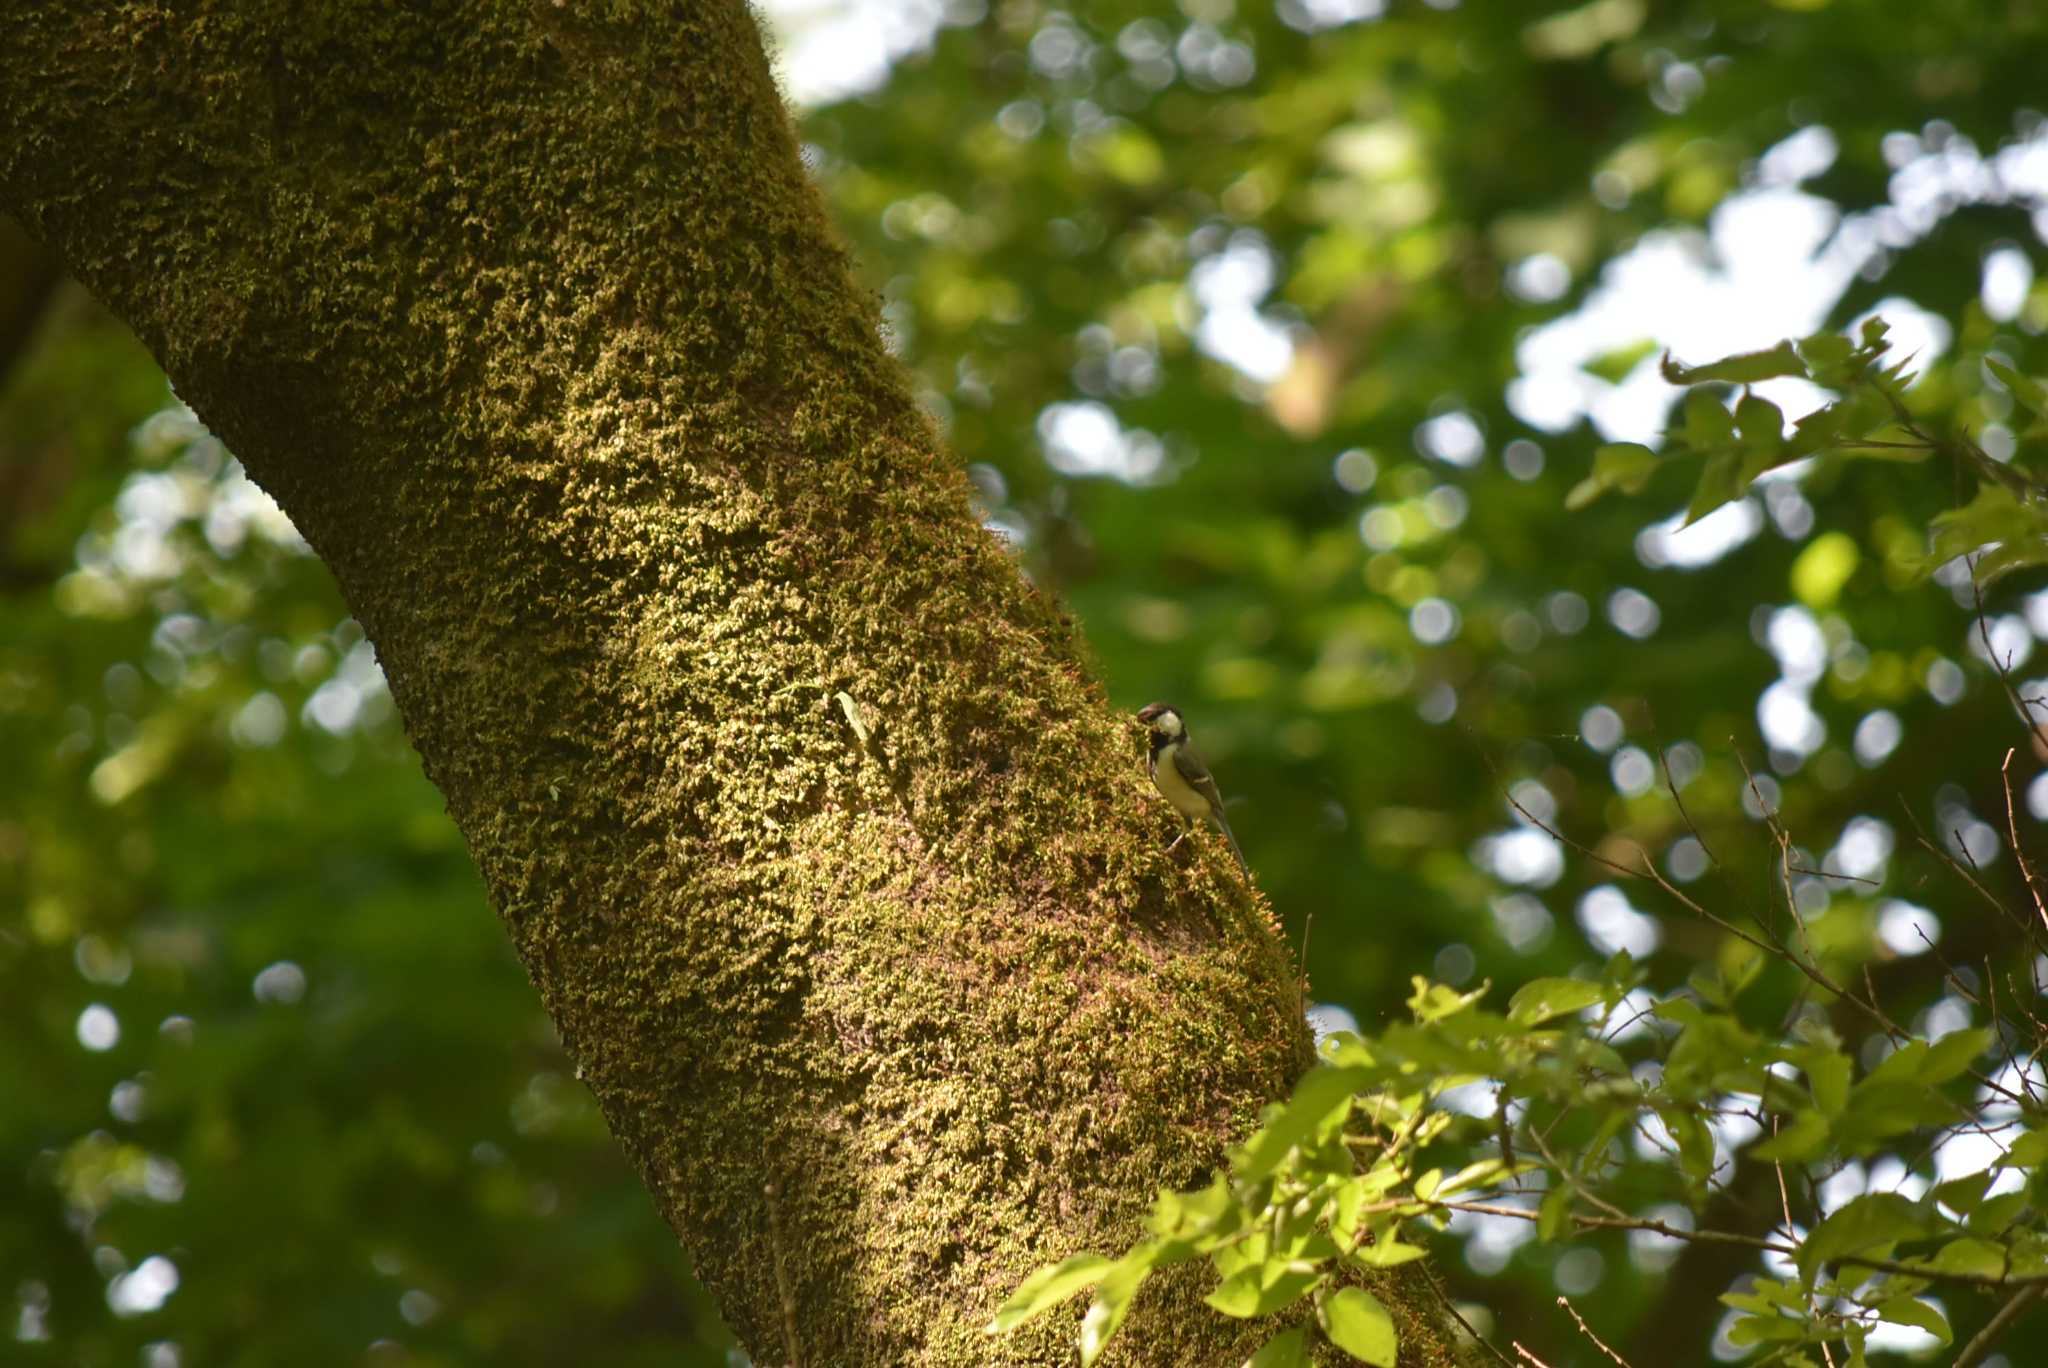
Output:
(528, 317)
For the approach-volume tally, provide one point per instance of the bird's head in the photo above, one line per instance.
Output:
(1163, 719)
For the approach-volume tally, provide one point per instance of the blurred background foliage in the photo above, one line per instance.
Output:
(1273, 337)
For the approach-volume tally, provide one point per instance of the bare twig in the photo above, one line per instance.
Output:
(1671, 784)
(1831, 874)
(2012, 827)
(2015, 1306)
(1587, 1331)
(2004, 667)
(1459, 1316)
(1571, 1181)
(1785, 1206)
(1920, 835)
(1784, 840)
(1728, 1237)
(1648, 871)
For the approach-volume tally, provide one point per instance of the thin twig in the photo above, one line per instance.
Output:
(1831, 874)
(1571, 1181)
(1920, 835)
(1648, 871)
(2015, 1306)
(2003, 667)
(2023, 923)
(2012, 827)
(1784, 840)
(1670, 783)
(1785, 1206)
(1587, 1331)
(1729, 1237)
(1452, 1307)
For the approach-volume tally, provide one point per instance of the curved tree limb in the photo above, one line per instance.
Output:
(530, 319)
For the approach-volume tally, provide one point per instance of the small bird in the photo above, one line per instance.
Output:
(1180, 774)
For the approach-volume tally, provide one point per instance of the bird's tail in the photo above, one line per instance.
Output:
(1223, 823)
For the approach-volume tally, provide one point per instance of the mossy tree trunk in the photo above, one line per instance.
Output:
(529, 318)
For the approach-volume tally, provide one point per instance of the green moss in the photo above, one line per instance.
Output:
(530, 320)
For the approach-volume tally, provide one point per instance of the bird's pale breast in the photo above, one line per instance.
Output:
(1165, 773)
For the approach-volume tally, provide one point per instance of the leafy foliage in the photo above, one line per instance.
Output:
(1869, 418)
(1335, 1178)
(1365, 1161)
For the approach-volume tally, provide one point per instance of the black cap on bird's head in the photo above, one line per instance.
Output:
(1162, 717)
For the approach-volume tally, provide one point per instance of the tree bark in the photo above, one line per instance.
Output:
(840, 881)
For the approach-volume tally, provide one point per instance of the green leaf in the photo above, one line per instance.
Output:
(1994, 1214)
(1823, 350)
(1913, 1311)
(1433, 1002)
(1748, 1330)
(1767, 1295)
(1386, 1253)
(1349, 1208)
(1112, 1303)
(1844, 426)
(1249, 1252)
(1483, 1172)
(1742, 369)
(1614, 366)
(1879, 1109)
(1626, 466)
(1953, 1054)
(2024, 554)
(1695, 1143)
(1802, 1139)
(1311, 1244)
(1761, 422)
(1260, 1290)
(1538, 1001)
(1712, 1053)
(1900, 1066)
(1554, 1217)
(1047, 1288)
(1827, 1076)
(1322, 1092)
(1288, 1349)
(1720, 483)
(1358, 1324)
(1994, 515)
(1963, 1194)
(2029, 1151)
(2028, 392)
(1707, 426)
(1973, 1257)
(1201, 1212)
(1870, 1225)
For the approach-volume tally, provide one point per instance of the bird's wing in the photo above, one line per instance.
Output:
(1197, 775)
(1201, 781)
